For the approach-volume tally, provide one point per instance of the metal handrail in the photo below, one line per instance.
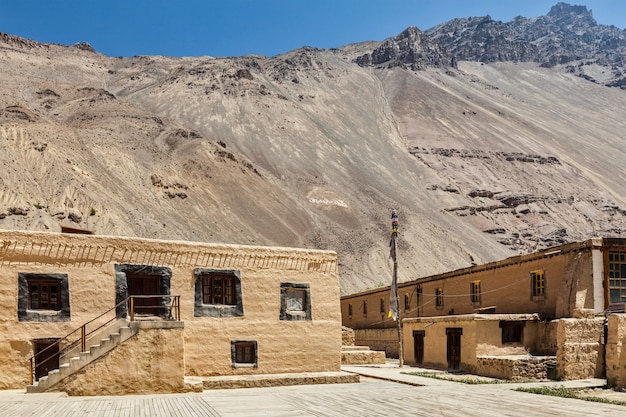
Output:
(173, 314)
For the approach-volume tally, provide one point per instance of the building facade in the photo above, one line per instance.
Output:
(517, 306)
(246, 310)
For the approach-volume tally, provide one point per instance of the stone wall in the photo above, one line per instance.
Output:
(580, 352)
(616, 351)
(151, 362)
(378, 339)
(347, 337)
(514, 368)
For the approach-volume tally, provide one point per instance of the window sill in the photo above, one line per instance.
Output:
(539, 298)
(245, 365)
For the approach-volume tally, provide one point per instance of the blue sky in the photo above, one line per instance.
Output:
(265, 27)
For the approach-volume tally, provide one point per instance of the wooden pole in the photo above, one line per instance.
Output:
(394, 294)
(399, 317)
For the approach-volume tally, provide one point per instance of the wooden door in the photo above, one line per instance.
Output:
(454, 347)
(46, 356)
(145, 284)
(418, 345)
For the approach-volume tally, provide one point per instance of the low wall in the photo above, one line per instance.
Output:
(580, 352)
(151, 362)
(378, 339)
(616, 351)
(514, 368)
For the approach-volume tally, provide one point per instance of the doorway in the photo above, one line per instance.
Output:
(46, 356)
(145, 284)
(418, 345)
(454, 347)
(143, 280)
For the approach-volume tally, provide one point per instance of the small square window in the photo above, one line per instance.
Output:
(243, 353)
(295, 301)
(218, 293)
(512, 331)
(43, 297)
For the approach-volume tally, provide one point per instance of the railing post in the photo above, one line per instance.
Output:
(83, 342)
(132, 308)
(32, 370)
(178, 307)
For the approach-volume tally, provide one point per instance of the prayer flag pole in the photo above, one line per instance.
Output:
(394, 308)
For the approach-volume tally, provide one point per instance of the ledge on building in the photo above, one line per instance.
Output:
(271, 380)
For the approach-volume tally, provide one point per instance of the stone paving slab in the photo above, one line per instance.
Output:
(371, 397)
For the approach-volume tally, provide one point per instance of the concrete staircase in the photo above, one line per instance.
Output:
(74, 361)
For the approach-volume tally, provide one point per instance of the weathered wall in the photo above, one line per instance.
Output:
(378, 339)
(616, 351)
(89, 261)
(481, 336)
(513, 368)
(151, 362)
(505, 285)
(580, 352)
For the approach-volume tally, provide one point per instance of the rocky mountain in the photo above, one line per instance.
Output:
(484, 154)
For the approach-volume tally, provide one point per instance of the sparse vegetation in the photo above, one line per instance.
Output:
(92, 212)
(563, 392)
(464, 380)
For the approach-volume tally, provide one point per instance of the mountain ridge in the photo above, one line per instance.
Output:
(482, 160)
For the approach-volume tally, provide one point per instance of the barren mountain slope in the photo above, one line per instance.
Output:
(309, 149)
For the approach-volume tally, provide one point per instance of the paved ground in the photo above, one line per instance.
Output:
(396, 394)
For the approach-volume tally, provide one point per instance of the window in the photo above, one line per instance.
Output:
(295, 301)
(538, 285)
(43, 297)
(243, 353)
(218, 293)
(44, 294)
(617, 276)
(439, 297)
(512, 331)
(350, 310)
(407, 302)
(475, 292)
(364, 308)
(218, 288)
(382, 307)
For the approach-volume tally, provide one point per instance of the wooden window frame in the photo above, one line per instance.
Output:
(475, 293)
(364, 308)
(538, 285)
(31, 308)
(617, 276)
(439, 297)
(383, 312)
(350, 310)
(214, 282)
(45, 290)
(229, 304)
(244, 354)
(407, 302)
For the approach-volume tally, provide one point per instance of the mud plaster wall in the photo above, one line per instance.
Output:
(151, 362)
(89, 262)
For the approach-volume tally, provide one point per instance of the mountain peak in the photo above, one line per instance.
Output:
(564, 13)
